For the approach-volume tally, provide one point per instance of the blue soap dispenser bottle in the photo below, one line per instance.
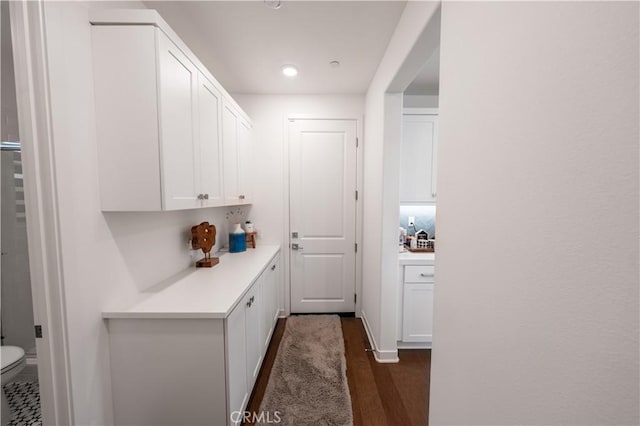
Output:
(237, 239)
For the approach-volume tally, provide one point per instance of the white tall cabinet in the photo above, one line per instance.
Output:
(419, 154)
(165, 141)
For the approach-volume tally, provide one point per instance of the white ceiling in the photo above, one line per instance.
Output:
(244, 43)
(427, 82)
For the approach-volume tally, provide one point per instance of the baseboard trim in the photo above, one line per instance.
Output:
(414, 345)
(386, 357)
(383, 357)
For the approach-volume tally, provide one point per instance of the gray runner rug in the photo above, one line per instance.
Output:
(308, 381)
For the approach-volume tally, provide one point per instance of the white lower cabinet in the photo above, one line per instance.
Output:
(236, 345)
(271, 309)
(417, 321)
(253, 305)
(175, 371)
(416, 308)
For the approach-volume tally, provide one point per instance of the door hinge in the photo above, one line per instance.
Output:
(356, 195)
(357, 142)
(356, 247)
(38, 329)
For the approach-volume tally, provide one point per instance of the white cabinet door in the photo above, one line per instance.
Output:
(270, 293)
(178, 142)
(230, 143)
(210, 161)
(253, 304)
(419, 145)
(245, 166)
(126, 106)
(417, 322)
(237, 390)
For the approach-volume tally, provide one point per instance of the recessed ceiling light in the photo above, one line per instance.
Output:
(334, 64)
(273, 4)
(289, 70)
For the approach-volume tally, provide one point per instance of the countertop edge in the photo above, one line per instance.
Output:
(130, 312)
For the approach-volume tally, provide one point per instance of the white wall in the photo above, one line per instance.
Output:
(270, 141)
(420, 101)
(536, 319)
(382, 178)
(108, 259)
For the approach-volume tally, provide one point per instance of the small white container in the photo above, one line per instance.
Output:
(248, 226)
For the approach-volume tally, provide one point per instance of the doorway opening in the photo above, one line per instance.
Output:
(20, 385)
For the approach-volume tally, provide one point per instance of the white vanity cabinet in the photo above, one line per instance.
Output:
(419, 153)
(191, 353)
(159, 118)
(415, 302)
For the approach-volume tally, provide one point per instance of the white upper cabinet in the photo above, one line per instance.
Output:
(236, 138)
(162, 120)
(211, 161)
(179, 145)
(419, 153)
(245, 166)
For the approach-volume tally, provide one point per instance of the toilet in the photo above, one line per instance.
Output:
(13, 361)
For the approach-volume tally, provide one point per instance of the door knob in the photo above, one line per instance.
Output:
(295, 246)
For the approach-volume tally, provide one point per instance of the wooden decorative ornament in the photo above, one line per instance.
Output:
(203, 237)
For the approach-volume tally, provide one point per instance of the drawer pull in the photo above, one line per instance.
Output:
(422, 274)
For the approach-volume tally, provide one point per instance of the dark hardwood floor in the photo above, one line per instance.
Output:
(381, 394)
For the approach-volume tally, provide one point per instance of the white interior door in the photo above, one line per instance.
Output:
(322, 215)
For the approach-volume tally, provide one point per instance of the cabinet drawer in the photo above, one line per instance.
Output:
(418, 274)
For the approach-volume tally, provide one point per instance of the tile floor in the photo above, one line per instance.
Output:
(24, 398)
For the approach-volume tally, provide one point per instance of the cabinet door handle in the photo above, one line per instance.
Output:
(422, 274)
(241, 197)
(273, 268)
(251, 300)
(249, 304)
(206, 196)
(200, 196)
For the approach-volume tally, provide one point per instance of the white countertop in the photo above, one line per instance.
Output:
(203, 292)
(408, 258)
